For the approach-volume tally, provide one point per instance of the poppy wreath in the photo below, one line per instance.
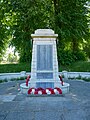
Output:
(27, 80)
(57, 90)
(31, 91)
(61, 79)
(49, 91)
(40, 91)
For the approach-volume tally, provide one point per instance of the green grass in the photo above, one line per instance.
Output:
(75, 67)
(81, 66)
(7, 68)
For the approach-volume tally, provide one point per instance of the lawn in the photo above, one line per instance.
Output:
(7, 68)
(81, 66)
(75, 67)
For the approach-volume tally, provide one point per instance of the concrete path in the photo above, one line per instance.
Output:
(73, 106)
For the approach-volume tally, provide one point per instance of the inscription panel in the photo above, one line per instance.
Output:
(44, 57)
(45, 85)
(44, 75)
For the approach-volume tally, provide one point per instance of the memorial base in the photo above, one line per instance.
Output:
(24, 89)
(44, 68)
(53, 95)
(65, 89)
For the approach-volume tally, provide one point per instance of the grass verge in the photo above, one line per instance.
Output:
(81, 66)
(12, 68)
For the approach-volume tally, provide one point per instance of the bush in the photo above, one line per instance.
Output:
(79, 56)
(86, 49)
(67, 57)
(25, 57)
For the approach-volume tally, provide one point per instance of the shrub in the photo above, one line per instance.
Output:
(67, 57)
(79, 55)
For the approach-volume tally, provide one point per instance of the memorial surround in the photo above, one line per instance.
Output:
(44, 66)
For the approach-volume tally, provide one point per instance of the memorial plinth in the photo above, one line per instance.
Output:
(44, 66)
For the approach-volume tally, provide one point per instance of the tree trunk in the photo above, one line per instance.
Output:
(57, 6)
(75, 45)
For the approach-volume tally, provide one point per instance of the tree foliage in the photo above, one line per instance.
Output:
(20, 18)
(71, 21)
(6, 23)
(31, 15)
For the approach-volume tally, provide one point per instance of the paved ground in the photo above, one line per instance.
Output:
(73, 106)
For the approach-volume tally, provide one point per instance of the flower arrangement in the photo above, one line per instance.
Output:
(48, 91)
(57, 90)
(61, 79)
(27, 80)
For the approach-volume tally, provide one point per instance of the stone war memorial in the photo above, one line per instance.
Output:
(44, 77)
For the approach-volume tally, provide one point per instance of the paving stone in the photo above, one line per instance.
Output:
(52, 115)
(77, 114)
(10, 87)
(72, 106)
(3, 115)
(7, 98)
(20, 97)
(20, 116)
(8, 106)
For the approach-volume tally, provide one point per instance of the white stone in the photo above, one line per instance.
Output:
(44, 67)
(24, 88)
(44, 31)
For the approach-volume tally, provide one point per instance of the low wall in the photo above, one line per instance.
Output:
(79, 74)
(66, 74)
(75, 74)
(9, 76)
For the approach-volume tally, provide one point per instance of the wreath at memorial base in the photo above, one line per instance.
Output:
(48, 91)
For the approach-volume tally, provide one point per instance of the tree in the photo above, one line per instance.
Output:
(6, 23)
(20, 18)
(72, 28)
(71, 22)
(31, 15)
